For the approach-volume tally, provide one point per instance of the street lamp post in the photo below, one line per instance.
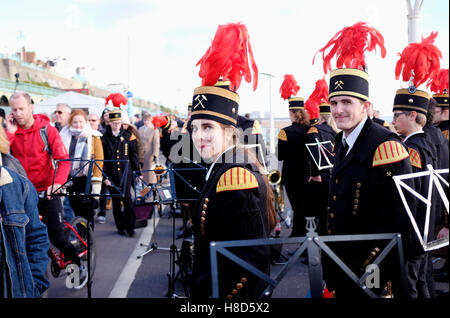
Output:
(271, 130)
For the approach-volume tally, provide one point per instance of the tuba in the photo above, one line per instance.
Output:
(275, 181)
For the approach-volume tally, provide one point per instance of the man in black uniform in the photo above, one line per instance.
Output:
(410, 111)
(120, 144)
(441, 113)
(362, 197)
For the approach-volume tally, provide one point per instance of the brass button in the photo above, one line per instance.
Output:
(234, 291)
(205, 206)
(239, 285)
(334, 198)
(358, 185)
(118, 169)
(243, 280)
(373, 254)
(202, 219)
(376, 249)
(118, 157)
(329, 232)
(118, 163)
(331, 216)
(355, 207)
(357, 195)
(203, 213)
(117, 151)
(229, 296)
(206, 200)
(356, 201)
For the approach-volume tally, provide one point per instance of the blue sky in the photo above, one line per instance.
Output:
(153, 45)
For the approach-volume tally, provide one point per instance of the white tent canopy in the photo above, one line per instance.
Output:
(75, 100)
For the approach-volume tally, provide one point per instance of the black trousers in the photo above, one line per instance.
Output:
(52, 216)
(295, 193)
(125, 219)
(82, 206)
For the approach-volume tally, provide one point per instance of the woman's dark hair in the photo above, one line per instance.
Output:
(271, 213)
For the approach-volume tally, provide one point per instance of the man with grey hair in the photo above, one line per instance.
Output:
(62, 114)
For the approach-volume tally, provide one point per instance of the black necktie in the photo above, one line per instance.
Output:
(344, 149)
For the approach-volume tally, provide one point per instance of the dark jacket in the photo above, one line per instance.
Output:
(232, 206)
(295, 156)
(122, 147)
(363, 199)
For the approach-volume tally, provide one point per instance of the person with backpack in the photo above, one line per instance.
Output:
(37, 144)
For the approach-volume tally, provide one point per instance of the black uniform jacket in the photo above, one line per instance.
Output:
(232, 206)
(295, 156)
(122, 147)
(363, 198)
(444, 126)
(422, 153)
(435, 136)
(322, 132)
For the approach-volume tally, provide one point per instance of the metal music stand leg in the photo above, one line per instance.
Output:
(153, 246)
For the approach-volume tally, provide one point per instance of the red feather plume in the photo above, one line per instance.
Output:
(289, 87)
(228, 58)
(349, 45)
(318, 96)
(159, 121)
(116, 99)
(419, 62)
(439, 84)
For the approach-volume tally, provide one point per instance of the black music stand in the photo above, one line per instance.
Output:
(166, 196)
(62, 191)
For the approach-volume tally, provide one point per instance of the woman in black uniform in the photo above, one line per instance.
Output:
(236, 201)
(293, 153)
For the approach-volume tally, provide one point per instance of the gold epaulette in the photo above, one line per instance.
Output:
(256, 130)
(282, 135)
(236, 178)
(414, 157)
(133, 137)
(313, 130)
(389, 152)
(386, 124)
(445, 133)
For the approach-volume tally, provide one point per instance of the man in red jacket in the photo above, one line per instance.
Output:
(27, 145)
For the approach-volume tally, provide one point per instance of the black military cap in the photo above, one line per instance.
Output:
(215, 103)
(349, 82)
(442, 100)
(115, 115)
(411, 99)
(325, 109)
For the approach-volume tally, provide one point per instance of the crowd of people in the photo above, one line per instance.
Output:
(338, 163)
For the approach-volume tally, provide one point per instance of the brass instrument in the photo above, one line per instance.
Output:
(275, 181)
(159, 169)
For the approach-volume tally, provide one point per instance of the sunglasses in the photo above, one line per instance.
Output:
(58, 112)
(93, 119)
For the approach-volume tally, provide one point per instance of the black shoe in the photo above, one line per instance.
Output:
(121, 232)
(131, 233)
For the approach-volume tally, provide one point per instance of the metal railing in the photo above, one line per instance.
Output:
(313, 244)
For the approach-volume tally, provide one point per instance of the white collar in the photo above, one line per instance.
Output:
(351, 138)
(412, 134)
(212, 165)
